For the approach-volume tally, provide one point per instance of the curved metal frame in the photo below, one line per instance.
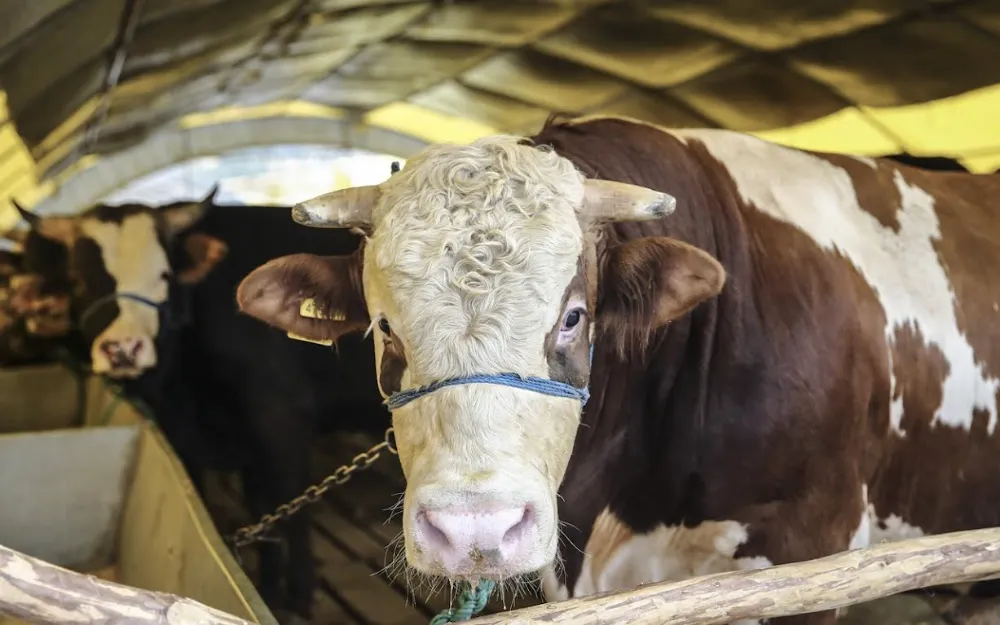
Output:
(87, 187)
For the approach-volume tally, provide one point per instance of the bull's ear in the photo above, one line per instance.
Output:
(329, 285)
(58, 229)
(649, 282)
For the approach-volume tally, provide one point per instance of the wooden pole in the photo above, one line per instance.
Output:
(38, 592)
(835, 581)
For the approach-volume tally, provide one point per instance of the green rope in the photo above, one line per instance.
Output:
(119, 396)
(470, 602)
(109, 410)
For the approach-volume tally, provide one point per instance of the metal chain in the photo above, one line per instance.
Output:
(256, 531)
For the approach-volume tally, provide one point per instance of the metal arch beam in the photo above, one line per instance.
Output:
(126, 33)
(89, 186)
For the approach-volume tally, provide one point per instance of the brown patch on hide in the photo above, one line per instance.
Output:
(571, 363)
(935, 476)
(874, 186)
(390, 376)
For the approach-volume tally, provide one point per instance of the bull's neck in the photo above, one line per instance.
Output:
(637, 449)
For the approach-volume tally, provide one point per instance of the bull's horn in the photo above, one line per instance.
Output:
(605, 200)
(32, 219)
(347, 208)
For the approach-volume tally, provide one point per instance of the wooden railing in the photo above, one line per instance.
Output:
(35, 591)
(38, 592)
(844, 579)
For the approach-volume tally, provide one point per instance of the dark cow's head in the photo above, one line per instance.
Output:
(482, 260)
(110, 270)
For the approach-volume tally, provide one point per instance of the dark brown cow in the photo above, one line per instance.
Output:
(803, 358)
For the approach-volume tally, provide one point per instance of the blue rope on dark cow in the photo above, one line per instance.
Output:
(544, 386)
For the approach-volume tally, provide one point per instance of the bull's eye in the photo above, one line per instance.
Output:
(383, 325)
(571, 319)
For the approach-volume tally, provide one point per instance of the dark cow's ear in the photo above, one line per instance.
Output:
(180, 217)
(203, 253)
(330, 285)
(649, 282)
(28, 216)
(58, 229)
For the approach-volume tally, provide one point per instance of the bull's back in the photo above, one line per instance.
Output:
(876, 280)
(926, 247)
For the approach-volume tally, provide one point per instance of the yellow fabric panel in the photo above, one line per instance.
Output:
(281, 108)
(987, 163)
(846, 130)
(431, 126)
(964, 124)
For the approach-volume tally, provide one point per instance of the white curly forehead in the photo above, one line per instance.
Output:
(475, 245)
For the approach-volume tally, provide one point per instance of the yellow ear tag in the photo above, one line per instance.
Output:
(308, 309)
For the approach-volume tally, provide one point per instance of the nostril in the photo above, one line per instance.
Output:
(433, 535)
(136, 348)
(516, 532)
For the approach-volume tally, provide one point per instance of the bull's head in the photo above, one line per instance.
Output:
(110, 269)
(482, 279)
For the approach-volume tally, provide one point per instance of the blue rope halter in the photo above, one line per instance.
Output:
(473, 599)
(544, 386)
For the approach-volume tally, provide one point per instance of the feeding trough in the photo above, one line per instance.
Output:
(89, 485)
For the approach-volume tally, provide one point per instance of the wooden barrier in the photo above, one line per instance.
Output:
(38, 592)
(840, 580)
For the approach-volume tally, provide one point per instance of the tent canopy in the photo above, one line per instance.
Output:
(83, 80)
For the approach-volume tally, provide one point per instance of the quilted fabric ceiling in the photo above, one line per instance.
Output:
(97, 76)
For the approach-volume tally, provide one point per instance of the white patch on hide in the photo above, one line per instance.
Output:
(903, 268)
(552, 589)
(891, 528)
(861, 537)
(896, 403)
(617, 559)
(134, 257)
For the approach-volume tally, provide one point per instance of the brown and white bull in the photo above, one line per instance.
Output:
(803, 357)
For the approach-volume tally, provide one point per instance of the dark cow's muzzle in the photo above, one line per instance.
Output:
(123, 353)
